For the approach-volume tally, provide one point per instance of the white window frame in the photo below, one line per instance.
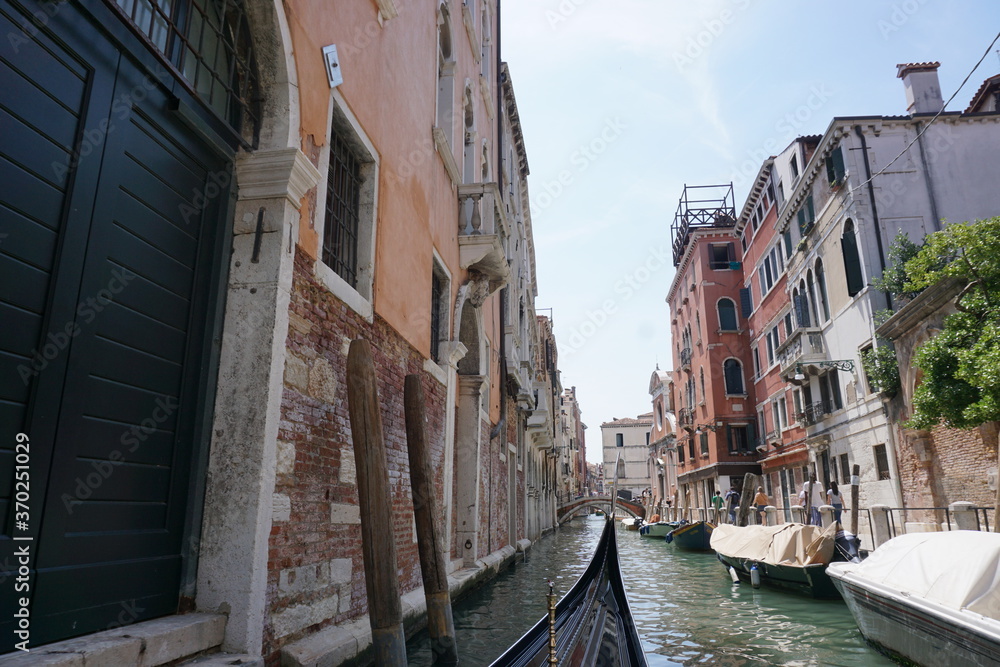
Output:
(361, 298)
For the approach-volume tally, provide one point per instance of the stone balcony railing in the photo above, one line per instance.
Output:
(686, 359)
(803, 347)
(482, 222)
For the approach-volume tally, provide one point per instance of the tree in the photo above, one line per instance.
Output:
(894, 278)
(960, 386)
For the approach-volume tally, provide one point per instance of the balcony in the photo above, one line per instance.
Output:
(685, 417)
(804, 347)
(481, 220)
(686, 359)
(701, 207)
(815, 412)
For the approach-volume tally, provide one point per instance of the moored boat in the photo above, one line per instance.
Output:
(929, 598)
(631, 523)
(792, 556)
(694, 536)
(657, 528)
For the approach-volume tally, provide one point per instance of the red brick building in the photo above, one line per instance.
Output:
(716, 432)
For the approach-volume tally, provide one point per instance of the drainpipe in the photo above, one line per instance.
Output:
(927, 180)
(871, 195)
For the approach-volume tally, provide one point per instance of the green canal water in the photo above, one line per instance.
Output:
(686, 608)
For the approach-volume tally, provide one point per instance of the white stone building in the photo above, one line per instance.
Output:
(630, 436)
(869, 178)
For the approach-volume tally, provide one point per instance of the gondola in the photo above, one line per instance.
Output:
(593, 624)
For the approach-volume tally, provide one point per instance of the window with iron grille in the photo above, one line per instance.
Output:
(881, 462)
(437, 294)
(340, 231)
(208, 46)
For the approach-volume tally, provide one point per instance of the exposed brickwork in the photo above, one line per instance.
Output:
(316, 423)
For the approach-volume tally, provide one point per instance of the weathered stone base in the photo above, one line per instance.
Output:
(351, 643)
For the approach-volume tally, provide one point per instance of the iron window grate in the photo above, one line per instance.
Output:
(343, 190)
(207, 45)
(437, 292)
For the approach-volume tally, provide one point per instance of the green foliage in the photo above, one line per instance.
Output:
(961, 365)
(881, 369)
(882, 316)
(893, 279)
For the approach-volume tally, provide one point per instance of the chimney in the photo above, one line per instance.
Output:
(923, 92)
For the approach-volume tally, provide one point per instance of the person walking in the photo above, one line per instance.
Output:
(732, 503)
(761, 501)
(811, 496)
(717, 504)
(833, 498)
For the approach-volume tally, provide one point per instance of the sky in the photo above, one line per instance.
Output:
(623, 102)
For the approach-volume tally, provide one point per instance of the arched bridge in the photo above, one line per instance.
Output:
(569, 509)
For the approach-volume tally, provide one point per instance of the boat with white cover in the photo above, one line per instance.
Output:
(931, 599)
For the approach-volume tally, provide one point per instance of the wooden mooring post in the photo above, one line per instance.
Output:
(378, 544)
(430, 542)
(750, 484)
(855, 490)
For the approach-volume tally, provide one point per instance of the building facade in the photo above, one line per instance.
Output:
(251, 201)
(628, 436)
(716, 433)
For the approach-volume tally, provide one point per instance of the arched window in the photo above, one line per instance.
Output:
(852, 260)
(801, 304)
(733, 371)
(446, 74)
(727, 315)
(821, 288)
(811, 290)
(704, 396)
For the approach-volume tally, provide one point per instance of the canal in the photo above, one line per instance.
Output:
(686, 608)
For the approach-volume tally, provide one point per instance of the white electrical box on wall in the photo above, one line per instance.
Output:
(333, 73)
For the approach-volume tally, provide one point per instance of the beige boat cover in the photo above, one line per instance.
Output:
(959, 569)
(787, 544)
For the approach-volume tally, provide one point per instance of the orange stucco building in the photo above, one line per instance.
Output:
(256, 185)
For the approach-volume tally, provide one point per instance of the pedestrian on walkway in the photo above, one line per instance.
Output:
(833, 498)
(732, 503)
(717, 504)
(761, 501)
(811, 496)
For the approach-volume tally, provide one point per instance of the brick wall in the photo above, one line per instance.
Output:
(945, 465)
(315, 568)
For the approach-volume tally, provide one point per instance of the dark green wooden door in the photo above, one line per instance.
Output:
(113, 214)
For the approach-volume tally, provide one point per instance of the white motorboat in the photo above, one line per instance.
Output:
(932, 599)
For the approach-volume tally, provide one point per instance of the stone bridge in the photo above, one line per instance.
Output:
(568, 510)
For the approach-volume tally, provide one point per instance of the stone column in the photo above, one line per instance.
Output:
(771, 515)
(963, 516)
(799, 514)
(450, 352)
(826, 515)
(232, 568)
(880, 524)
(468, 434)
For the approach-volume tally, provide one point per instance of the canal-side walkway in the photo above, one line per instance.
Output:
(351, 643)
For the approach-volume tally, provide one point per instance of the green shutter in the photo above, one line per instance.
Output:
(852, 262)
